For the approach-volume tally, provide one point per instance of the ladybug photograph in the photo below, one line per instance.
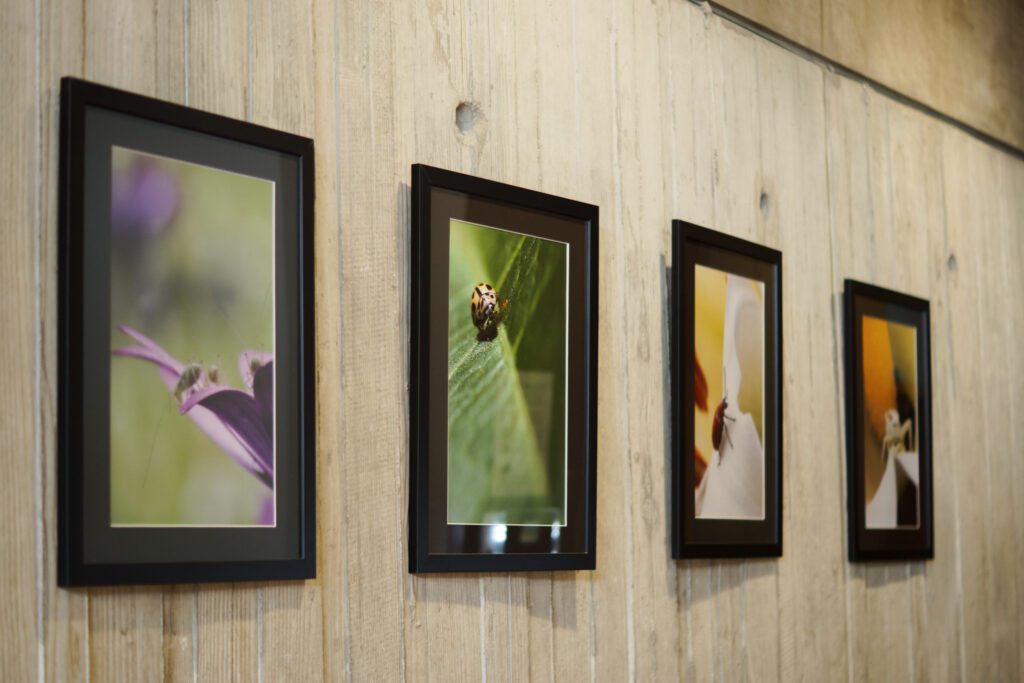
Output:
(729, 337)
(487, 310)
(727, 473)
(506, 376)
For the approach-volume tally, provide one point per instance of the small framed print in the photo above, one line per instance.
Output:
(186, 350)
(726, 334)
(503, 377)
(888, 424)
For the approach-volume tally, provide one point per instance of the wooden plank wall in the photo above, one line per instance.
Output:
(653, 110)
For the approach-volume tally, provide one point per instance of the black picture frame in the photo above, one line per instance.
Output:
(703, 537)
(91, 550)
(438, 197)
(899, 542)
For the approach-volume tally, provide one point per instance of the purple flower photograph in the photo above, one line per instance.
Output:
(192, 367)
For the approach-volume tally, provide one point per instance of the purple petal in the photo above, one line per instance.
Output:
(151, 351)
(243, 416)
(167, 372)
(267, 511)
(212, 425)
(263, 391)
(143, 199)
(249, 359)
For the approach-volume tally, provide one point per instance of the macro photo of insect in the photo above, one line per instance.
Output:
(486, 309)
(728, 395)
(507, 359)
(192, 365)
(891, 490)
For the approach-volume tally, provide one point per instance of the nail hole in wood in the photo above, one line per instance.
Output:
(465, 117)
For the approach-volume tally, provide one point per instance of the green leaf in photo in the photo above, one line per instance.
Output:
(506, 396)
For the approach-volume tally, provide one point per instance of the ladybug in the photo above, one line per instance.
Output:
(719, 427)
(486, 309)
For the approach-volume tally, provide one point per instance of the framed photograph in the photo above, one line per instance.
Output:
(888, 424)
(503, 388)
(186, 350)
(726, 333)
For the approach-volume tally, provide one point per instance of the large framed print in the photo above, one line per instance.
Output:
(503, 390)
(186, 350)
(888, 424)
(726, 336)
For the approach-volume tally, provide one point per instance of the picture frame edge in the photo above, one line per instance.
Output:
(684, 231)
(425, 178)
(853, 288)
(76, 96)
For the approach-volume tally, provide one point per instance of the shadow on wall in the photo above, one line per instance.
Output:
(509, 589)
(720, 582)
(879, 574)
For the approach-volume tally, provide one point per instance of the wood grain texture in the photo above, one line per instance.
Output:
(19, 186)
(859, 154)
(65, 628)
(654, 111)
(961, 161)
(125, 625)
(219, 79)
(290, 615)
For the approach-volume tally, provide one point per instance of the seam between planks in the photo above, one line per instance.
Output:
(837, 351)
(37, 405)
(613, 47)
(961, 636)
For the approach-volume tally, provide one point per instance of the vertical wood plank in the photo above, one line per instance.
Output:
(759, 651)
(126, 624)
(599, 38)
(65, 629)
(938, 603)
(654, 629)
(540, 71)
(226, 627)
(125, 634)
(179, 641)
(744, 194)
(866, 238)
(19, 187)
(693, 178)
(569, 634)
(995, 311)
(919, 223)
(282, 96)
(963, 167)
(374, 258)
(811, 571)
(1011, 199)
(332, 525)
(218, 78)
(424, 27)
(492, 150)
(851, 211)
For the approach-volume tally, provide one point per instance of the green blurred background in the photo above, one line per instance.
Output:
(198, 280)
(506, 398)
